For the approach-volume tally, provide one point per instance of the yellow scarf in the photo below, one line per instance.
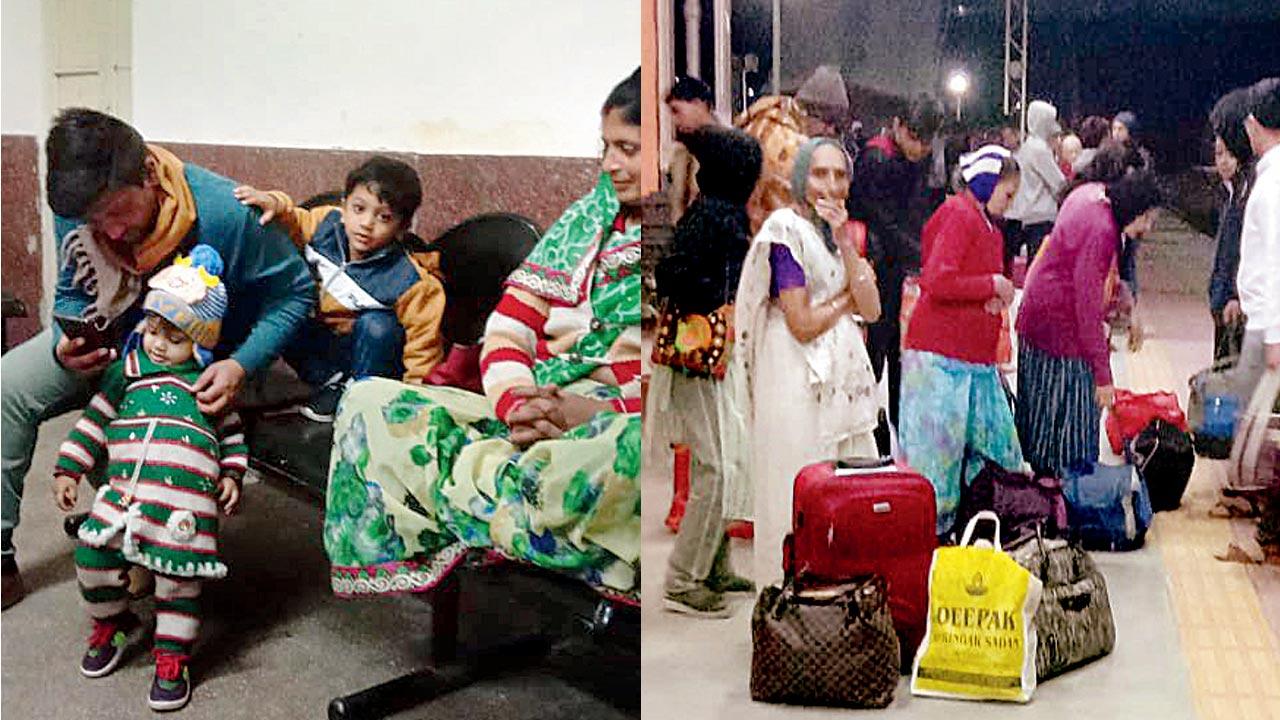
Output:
(177, 212)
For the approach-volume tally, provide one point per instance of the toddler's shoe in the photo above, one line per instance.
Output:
(171, 688)
(107, 643)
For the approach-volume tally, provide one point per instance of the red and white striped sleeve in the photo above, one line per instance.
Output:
(86, 445)
(510, 347)
(233, 460)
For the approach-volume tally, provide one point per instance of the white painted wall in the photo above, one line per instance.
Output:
(503, 77)
(22, 68)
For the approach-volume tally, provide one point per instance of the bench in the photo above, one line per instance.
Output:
(475, 258)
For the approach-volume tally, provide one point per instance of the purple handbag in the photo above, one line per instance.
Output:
(1021, 500)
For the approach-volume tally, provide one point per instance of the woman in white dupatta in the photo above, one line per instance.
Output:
(809, 390)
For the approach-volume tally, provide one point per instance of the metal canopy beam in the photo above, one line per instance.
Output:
(1015, 60)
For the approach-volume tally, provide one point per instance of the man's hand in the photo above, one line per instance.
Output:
(73, 355)
(253, 197)
(1105, 396)
(229, 496)
(1231, 314)
(1273, 355)
(65, 491)
(217, 386)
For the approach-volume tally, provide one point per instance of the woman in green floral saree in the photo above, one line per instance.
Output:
(545, 467)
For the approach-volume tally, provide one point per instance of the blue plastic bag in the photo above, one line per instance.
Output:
(1108, 507)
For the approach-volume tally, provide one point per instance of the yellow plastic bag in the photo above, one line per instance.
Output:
(980, 642)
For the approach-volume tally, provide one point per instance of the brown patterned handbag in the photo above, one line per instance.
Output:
(830, 645)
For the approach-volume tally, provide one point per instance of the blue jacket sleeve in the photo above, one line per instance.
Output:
(278, 281)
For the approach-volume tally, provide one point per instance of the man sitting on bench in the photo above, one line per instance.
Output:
(125, 208)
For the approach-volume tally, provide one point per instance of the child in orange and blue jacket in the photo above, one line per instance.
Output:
(380, 304)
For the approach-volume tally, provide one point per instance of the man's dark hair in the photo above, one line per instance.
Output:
(625, 97)
(923, 117)
(90, 153)
(1093, 130)
(392, 181)
(1264, 102)
(691, 89)
(1227, 121)
(1133, 195)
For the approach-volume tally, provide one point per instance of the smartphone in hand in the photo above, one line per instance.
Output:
(97, 334)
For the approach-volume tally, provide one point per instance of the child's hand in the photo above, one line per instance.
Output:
(253, 197)
(229, 496)
(65, 491)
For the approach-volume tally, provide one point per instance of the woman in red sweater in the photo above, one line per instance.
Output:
(953, 402)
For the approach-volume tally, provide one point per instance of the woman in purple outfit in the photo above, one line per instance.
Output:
(1064, 371)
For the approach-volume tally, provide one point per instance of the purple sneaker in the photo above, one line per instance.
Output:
(171, 688)
(107, 643)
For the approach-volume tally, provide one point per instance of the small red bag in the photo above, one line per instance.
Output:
(1134, 411)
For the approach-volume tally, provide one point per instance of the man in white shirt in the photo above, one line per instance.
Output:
(1258, 280)
(1258, 285)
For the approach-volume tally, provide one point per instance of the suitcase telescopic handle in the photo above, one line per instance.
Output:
(851, 466)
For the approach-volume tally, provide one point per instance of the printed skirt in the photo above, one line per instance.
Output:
(951, 410)
(1057, 415)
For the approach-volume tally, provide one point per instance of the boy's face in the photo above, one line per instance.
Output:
(164, 343)
(370, 223)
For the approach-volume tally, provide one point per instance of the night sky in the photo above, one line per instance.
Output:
(1167, 60)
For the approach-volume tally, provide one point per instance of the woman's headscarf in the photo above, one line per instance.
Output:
(804, 158)
(981, 170)
(800, 180)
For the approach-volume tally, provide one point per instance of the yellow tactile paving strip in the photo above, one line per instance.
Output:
(1231, 654)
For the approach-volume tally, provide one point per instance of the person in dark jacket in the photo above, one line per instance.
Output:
(698, 277)
(889, 194)
(1232, 158)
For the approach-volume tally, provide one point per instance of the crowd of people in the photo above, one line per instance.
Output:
(846, 266)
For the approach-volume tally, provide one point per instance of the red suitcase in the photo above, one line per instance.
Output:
(855, 517)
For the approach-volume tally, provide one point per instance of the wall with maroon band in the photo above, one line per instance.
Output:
(20, 230)
(454, 188)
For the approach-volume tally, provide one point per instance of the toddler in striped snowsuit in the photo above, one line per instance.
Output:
(168, 471)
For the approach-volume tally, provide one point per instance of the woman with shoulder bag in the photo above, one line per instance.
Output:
(697, 282)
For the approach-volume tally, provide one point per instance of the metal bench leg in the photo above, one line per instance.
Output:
(444, 620)
(449, 673)
(427, 684)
